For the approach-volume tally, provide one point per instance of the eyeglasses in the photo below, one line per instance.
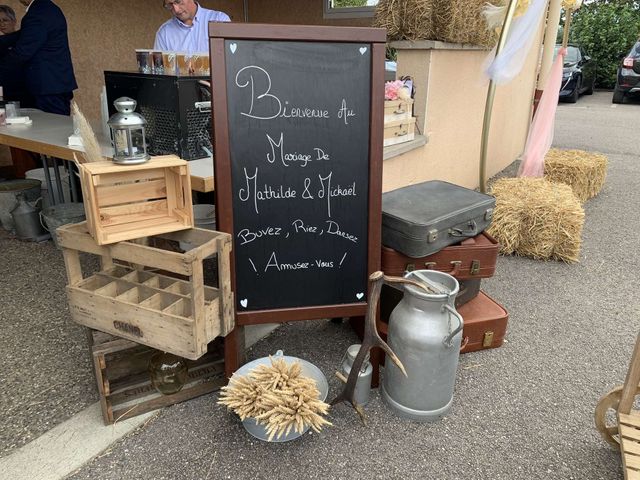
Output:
(169, 5)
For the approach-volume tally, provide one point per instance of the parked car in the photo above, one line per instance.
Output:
(578, 74)
(628, 79)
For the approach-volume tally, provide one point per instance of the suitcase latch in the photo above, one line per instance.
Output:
(410, 267)
(432, 235)
(487, 340)
(475, 267)
(488, 215)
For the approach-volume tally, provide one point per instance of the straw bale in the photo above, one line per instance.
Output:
(537, 218)
(584, 171)
(454, 21)
(461, 21)
(405, 19)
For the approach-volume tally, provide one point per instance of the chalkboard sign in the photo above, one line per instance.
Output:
(297, 165)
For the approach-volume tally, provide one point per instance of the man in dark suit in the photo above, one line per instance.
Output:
(41, 50)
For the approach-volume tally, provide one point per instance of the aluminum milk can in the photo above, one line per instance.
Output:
(425, 332)
(363, 384)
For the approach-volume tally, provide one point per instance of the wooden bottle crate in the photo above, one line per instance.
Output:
(124, 385)
(123, 202)
(150, 292)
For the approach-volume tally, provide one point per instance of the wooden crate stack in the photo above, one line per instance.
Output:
(150, 291)
(399, 124)
(122, 378)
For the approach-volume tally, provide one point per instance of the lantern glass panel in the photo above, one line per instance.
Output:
(138, 146)
(121, 142)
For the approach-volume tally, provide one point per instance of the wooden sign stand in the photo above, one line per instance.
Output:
(298, 126)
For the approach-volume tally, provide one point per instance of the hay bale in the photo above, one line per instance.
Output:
(454, 21)
(461, 21)
(537, 218)
(584, 171)
(405, 19)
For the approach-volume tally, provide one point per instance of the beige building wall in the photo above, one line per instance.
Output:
(451, 92)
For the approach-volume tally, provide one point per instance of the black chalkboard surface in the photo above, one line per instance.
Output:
(297, 139)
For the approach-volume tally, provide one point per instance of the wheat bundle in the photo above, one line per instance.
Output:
(584, 171)
(537, 218)
(92, 150)
(277, 396)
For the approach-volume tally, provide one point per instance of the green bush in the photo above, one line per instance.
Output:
(606, 29)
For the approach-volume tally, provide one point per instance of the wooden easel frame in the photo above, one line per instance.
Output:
(218, 33)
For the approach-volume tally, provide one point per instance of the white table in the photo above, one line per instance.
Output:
(49, 133)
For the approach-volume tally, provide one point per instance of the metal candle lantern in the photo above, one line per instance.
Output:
(127, 133)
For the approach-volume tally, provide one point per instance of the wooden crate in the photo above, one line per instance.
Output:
(123, 202)
(124, 386)
(399, 131)
(395, 110)
(150, 292)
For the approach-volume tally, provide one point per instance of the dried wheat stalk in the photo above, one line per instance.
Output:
(92, 150)
(277, 396)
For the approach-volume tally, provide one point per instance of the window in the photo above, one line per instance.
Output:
(349, 8)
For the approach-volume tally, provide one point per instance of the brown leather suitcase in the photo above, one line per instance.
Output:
(390, 297)
(485, 323)
(472, 258)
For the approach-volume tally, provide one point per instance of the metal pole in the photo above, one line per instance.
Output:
(550, 34)
(47, 177)
(72, 181)
(490, 97)
(565, 29)
(56, 171)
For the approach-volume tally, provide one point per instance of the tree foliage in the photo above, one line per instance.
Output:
(606, 29)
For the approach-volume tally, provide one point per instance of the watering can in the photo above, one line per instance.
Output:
(26, 219)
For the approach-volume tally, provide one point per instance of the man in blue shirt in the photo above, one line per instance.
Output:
(188, 30)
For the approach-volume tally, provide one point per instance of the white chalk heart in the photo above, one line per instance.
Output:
(359, 296)
(363, 50)
(244, 302)
(233, 47)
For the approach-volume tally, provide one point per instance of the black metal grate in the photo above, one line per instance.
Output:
(161, 130)
(198, 133)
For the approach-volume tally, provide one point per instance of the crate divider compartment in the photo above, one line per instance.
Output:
(148, 293)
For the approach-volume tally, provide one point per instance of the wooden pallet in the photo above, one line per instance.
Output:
(124, 202)
(149, 291)
(124, 385)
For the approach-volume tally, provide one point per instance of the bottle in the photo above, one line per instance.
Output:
(168, 372)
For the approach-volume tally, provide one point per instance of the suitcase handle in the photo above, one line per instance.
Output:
(465, 341)
(458, 232)
(455, 264)
(448, 340)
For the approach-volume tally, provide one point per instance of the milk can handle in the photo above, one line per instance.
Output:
(448, 340)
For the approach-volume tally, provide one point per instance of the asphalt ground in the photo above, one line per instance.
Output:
(521, 411)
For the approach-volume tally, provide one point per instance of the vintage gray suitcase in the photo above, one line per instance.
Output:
(422, 219)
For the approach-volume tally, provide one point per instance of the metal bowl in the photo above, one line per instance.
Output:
(308, 370)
